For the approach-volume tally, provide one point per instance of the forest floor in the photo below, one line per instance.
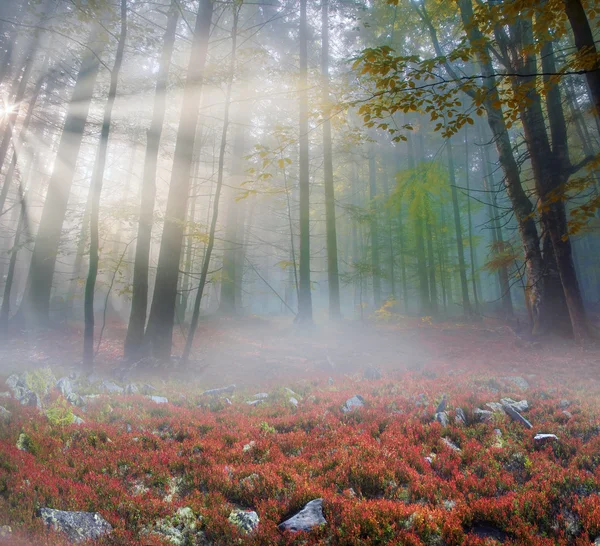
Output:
(389, 471)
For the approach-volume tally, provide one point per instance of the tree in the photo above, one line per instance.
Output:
(159, 330)
(139, 299)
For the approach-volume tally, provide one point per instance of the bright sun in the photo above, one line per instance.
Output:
(6, 109)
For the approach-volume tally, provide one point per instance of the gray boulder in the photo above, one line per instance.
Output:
(111, 387)
(132, 388)
(293, 401)
(309, 517)
(246, 521)
(442, 418)
(543, 437)
(65, 387)
(261, 396)
(13, 381)
(451, 445)
(482, 416)
(516, 416)
(460, 417)
(442, 405)
(521, 406)
(158, 399)
(564, 404)
(78, 526)
(357, 401)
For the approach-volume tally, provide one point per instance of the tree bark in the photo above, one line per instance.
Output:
(35, 305)
(374, 228)
(139, 297)
(159, 331)
(96, 191)
(332, 253)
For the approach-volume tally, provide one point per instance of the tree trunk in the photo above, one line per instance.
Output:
(35, 305)
(159, 331)
(584, 40)
(458, 230)
(332, 257)
(96, 191)
(304, 296)
(139, 298)
(374, 228)
(431, 266)
(470, 226)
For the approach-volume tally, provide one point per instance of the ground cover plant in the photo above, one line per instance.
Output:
(420, 457)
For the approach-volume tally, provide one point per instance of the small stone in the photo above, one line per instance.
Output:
(4, 415)
(294, 402)
(158, 399)
(228, 402)
(567, 414)
(357, 401)
(132, 388)
(78, 526)
(482, 416)
(449, 504)
(543, 437)
(249, 446)
(521, 406)
(309, 517)
(5, 531)
(564, 404)
(254, 402)
(442, 418)
(247, 521)
(220, 390)
(261, 396)
(516, 416)
(459, 417)
(451, 445)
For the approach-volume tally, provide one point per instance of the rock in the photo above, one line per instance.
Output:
(261, 396)
(31, 399)
(12, 381)
(4, 415)
(254, 402)
(78, 420)
(567, 414)
(220, 390)
(249, 446)
(5, 531)
(451, 445)
(597, 541)
(78, 526)
(309, 517)
(247, 521)
(132, 388)
(442, 405)
(294, 402)
(564, 404)
(520, 382)
(65, 386)
(543, 437)
(75, 399)
(459, 417)
(227, 401)
(179, 529)
(158, 399)
(499, 442)
(442, 418)
(290, 392)
(357, 401)
(486, 530)
(330, 381)
(449, 505)
(495, 406)
(516, 416)
(521, 406)
(482, 415)
(148, 389)
(372, 373)
(111, 388)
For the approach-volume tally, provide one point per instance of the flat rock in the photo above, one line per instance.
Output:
(245, 520)
(543, 437)
(309, 517)
(520, 406)
(78, 526)
(495, 406)
(254, 402)
(482, 415)
(357, 401)
(516, 416)
(261, 396)
(158, 399)
(294, 401)
(220, 390)
(111, 387)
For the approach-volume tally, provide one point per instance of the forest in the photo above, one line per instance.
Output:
(299, 272)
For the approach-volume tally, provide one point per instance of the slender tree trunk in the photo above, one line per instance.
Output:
(431, 265)
(458, 230)
(96, 191)
(159, 331)
(584, 40)
(304, 296)
(374, 228)
(332, 258)
(470, 227)
(35, 305)
(139, 298)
